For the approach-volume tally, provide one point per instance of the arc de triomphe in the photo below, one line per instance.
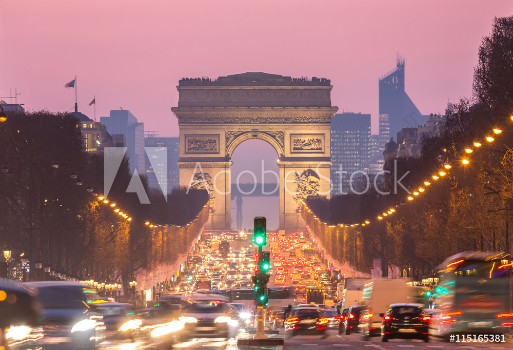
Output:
(292, 114)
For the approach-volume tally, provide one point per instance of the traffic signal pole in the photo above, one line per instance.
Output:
(260, 280)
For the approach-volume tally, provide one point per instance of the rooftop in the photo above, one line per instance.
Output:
(254, 79)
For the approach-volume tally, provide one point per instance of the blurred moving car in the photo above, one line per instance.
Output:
(155, 325)
(333, 317)
(66, 316)
(306, 320)
(276, 319)
(406, 321)
(351, 320)
(244, 314)
(208, 318)
(114, 316)
(19, 314)
(436, 324)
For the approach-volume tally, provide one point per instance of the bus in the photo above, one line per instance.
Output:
(474, 293)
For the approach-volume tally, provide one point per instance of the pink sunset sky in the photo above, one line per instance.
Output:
(131, 54)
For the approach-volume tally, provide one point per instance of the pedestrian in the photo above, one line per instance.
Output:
(287, 311)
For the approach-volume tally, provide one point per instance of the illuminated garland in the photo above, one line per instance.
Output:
(421, 189)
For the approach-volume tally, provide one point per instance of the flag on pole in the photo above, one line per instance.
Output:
(71, 84)
(93, 102)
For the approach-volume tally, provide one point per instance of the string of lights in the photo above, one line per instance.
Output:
(436, 177)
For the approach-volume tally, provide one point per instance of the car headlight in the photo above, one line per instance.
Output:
(18, 332)
(222, 319)
(130, 325)
(83, 326)
(245, 315)
(170, 327)
(187, 319)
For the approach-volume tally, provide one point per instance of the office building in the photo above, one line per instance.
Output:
(163, 164)
(126, 130)
(350, 150)
(395, 102)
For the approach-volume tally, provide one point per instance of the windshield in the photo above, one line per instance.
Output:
(478, 268)
(111, 310)
(403, 311)
(329, 313)
(207, 307)
(306, 313)
(61, 297)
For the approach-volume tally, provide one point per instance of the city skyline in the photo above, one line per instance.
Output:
(134, 59)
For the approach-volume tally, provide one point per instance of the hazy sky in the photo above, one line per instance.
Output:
(131, 54)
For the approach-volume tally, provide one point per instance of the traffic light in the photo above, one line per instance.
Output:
(260, 281)
(264, 262)
(261, 297)
(259, 232)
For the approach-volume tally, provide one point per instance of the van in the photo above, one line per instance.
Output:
(378, 294)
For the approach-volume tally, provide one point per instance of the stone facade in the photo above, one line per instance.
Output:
(292, 115)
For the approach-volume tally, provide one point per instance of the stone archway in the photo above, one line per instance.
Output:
(292, 115)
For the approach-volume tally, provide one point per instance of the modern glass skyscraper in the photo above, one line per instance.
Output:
(123, 125)
(350, 150)
(395, 102)
(170, 147)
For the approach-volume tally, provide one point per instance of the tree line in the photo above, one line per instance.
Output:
(472, 208)
(49, 207)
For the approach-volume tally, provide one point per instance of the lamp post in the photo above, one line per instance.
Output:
(7, 257)
(133, 285)
(25, 266)
(39, 271)
(46, 273)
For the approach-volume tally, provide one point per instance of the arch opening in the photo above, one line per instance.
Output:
(255, 183)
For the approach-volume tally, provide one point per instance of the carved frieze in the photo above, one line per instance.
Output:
(254, 120)
(278, 136)
(307, 143)
(201, 144)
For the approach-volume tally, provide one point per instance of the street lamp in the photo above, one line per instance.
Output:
(7, 254)
(7, 257)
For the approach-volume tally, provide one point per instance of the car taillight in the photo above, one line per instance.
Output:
(504, 315)
(426, 319)
(322, 320)
(292, 320)
(338, 317)
(387, 318)
(450, 317)
(351, 316)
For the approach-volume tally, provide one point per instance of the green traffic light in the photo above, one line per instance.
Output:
(259, 231)
(428, 293)
(266, 266)
(262, 297)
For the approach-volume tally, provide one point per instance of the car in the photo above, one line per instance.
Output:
(154, 325)
(114, 316)
(333, 317)
(208, 318)
(405, 321)
(437, 326)
(305, 320)
(67, 319)
(244, 314)
(351, 320)
(276, 319)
